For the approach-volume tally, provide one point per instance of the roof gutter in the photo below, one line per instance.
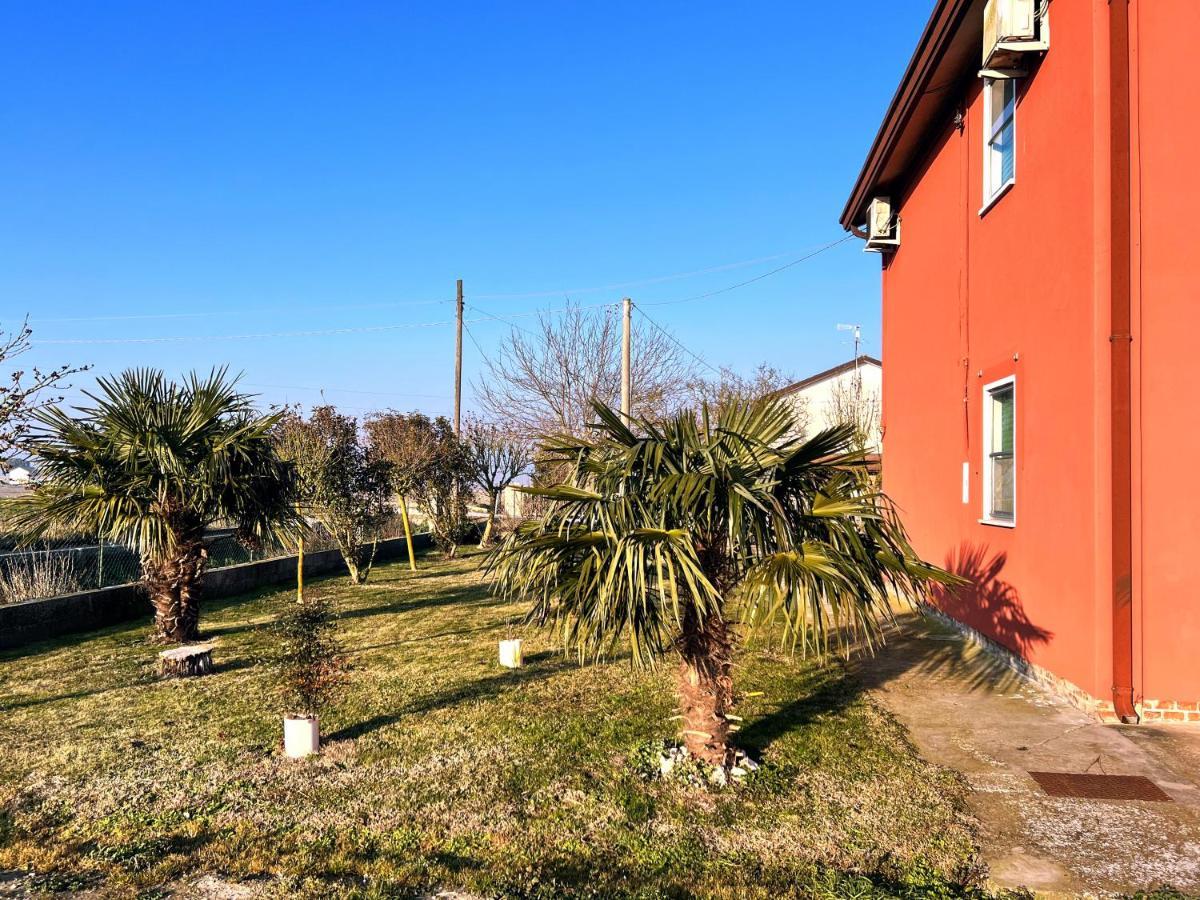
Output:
(1121, 360)
(938, 32)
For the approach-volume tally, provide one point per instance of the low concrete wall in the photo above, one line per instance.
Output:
(38, 620)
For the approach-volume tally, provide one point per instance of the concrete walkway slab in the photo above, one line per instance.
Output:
(969, 712)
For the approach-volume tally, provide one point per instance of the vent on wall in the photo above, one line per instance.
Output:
(1011, 29)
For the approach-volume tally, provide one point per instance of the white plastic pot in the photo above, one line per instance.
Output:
(301, 736)
(510, 654)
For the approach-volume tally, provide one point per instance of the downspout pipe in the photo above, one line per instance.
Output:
(1121, 368)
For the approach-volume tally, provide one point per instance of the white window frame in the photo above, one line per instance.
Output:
(988, 390)
(990, 130)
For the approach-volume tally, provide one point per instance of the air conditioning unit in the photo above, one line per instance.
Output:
(1012, 28)
(883, 226)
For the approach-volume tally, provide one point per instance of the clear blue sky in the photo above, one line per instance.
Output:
(241, 168)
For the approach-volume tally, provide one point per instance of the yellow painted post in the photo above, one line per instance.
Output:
(412, 559)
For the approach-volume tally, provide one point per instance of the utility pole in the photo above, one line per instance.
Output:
(458, 365)
(626, 376)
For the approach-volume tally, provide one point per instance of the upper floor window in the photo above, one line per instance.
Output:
(1000, 126)
(999, 447)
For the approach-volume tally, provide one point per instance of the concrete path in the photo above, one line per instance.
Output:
(970, 713)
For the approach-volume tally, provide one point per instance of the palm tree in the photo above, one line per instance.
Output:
(670, 535)
(153, 464)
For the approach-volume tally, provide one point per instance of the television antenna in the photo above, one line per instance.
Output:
(857, 329)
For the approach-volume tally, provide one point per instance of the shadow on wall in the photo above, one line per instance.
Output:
(988, 603)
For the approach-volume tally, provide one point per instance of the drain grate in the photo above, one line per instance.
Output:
(1100, 787)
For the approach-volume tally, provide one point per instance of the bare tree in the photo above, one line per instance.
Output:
(544, 381)
(24, 394)
(851, 403)
(728, 385)
(498, 457)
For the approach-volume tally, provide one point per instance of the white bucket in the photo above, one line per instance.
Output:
(301, 736)
(510, 654)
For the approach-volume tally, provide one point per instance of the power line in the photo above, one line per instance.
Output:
(203, 338)
(484, 317)
(244, 311)
(504, 320)
(741, 284)
(621, 286)
(676, 341)
(240, 312)
(334, 390)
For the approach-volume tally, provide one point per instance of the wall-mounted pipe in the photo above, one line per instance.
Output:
(1121, 353)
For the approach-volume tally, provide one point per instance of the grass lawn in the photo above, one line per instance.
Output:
(442, 770)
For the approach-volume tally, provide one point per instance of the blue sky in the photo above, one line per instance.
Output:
(222, 168)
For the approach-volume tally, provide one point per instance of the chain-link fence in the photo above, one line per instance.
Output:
(71, 564)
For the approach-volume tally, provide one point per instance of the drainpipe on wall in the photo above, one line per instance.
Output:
(1120, 343)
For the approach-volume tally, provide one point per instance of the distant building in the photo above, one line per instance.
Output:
(15, 476)
(850, 392)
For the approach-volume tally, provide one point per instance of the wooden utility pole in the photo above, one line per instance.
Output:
(626, 376)
(458, 365)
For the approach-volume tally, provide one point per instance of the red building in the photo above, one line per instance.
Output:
(1030, 191)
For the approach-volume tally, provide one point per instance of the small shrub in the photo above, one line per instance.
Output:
(38, 574)
(309, 660)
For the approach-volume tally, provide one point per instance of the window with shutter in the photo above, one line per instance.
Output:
(999, 447)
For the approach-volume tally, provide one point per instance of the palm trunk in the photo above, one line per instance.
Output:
(174, 586)
(706, 687)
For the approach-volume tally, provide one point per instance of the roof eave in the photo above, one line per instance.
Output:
(940, 33)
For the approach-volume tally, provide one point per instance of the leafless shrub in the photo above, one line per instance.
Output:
(38, 574)
(851, 403)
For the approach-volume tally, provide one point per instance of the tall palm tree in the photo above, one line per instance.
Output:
(153, 464)
(670, 535)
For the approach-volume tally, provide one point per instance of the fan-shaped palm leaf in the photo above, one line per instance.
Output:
(666, 533)
(152, 464)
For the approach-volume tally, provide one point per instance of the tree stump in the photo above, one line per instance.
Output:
(186, 662)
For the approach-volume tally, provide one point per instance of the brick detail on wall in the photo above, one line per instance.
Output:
(1149, 711)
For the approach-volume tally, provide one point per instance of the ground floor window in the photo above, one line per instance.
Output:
(999, 447)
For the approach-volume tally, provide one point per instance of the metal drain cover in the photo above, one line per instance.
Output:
(1100, 787)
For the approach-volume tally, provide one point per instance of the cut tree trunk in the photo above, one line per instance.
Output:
(359, 558)
(706, 688)
(186, 662)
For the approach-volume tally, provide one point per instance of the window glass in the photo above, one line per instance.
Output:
(1001, 446)
(1000, 154)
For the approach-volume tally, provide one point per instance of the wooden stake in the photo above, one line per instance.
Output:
(412, 559)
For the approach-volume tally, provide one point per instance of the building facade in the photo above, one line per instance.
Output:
(1038, 302)
(848, 393)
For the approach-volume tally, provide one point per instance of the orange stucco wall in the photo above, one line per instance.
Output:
(1021, 290)
(1166, 399)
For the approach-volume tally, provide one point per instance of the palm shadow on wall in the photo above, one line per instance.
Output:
(987, 602)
